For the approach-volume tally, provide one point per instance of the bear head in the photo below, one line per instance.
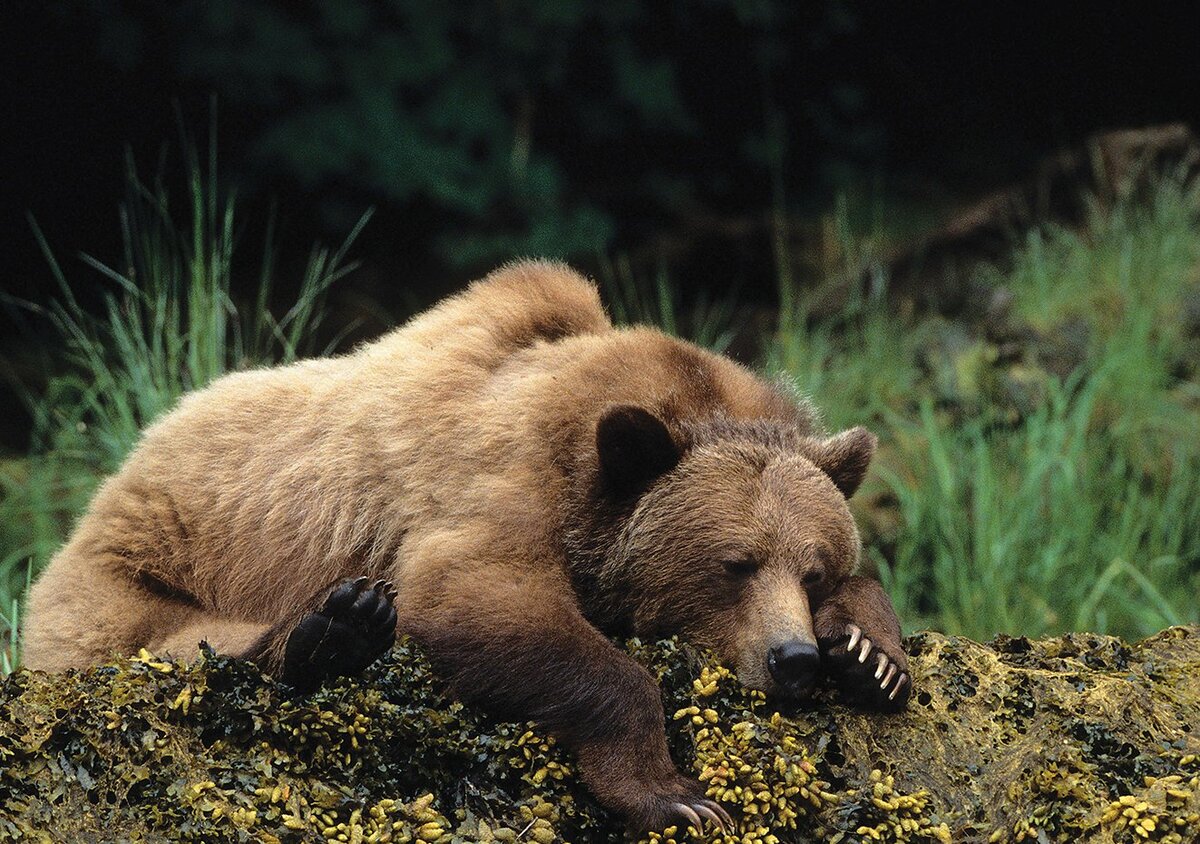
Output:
(730, 534)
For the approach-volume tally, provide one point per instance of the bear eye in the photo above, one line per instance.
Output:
(743, 567)
(812, 578)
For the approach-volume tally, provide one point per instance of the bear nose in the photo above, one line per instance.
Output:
(794, 665)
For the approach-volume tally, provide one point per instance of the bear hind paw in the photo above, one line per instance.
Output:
(355, 625)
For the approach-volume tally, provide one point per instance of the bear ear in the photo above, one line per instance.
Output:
(635, 447)
(844, 458)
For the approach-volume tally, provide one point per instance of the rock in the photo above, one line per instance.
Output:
(1191, 311)
(938, 271)
(1064, 348)
(1107, 167)
(1078, 738)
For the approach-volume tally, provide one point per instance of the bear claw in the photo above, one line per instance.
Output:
(706, 809)
(866, 649)
(355, 626)
(888, 672)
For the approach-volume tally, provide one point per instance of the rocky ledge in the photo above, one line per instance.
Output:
(1078, 738)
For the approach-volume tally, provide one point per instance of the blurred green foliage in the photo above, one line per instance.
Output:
(169, 322)
(526, 127)
(1039, 462)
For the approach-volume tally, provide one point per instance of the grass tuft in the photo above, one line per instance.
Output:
(168, 323)
(635, 300)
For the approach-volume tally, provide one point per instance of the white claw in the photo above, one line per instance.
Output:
(703, 810)
(899, 683)
(891, 672)
(690, 813)
(866, 649)
(855, 634)
(883, 661)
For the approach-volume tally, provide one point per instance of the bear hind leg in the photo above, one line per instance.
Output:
(84, 614)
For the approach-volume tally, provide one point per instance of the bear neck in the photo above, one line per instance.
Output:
(593, 527)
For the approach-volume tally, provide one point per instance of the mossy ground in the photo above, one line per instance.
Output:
(1078, 738)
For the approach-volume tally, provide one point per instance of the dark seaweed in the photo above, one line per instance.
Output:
(1078, 738)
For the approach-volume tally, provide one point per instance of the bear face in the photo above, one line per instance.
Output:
(737, 537)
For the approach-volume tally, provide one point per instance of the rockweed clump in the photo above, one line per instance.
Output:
(1078, 738)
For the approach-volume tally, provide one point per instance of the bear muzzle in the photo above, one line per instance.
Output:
(794, 665)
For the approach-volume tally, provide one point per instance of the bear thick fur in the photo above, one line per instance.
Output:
(532, 480)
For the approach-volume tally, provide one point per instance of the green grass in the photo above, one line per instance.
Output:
(1012, 493)
(168, 324)
(1018, 501)
(1050, 526)
(856, 369)
(636, 300)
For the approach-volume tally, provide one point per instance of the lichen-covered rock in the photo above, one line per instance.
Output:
(1079, 738)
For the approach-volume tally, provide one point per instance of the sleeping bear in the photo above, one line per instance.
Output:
(510, 480)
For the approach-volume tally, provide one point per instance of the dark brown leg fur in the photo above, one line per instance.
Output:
(859, 636)
(526, 652)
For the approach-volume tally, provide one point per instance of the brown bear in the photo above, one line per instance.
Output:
(532, 480)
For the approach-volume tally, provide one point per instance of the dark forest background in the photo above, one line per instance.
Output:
(672, 134)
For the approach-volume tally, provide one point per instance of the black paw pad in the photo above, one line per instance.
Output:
(354, 627)
(868, 675)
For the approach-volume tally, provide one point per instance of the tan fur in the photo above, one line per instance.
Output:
(270, 483)
(457, 456)
(267, 484)
(736, 501)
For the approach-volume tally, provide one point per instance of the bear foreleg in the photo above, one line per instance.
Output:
(520, 646)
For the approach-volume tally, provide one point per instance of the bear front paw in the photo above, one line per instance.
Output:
(870, 672)
(859, 638)
(680, 803)
(355, 626)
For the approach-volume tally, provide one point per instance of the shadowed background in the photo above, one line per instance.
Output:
(919, 213)
(669, 132)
